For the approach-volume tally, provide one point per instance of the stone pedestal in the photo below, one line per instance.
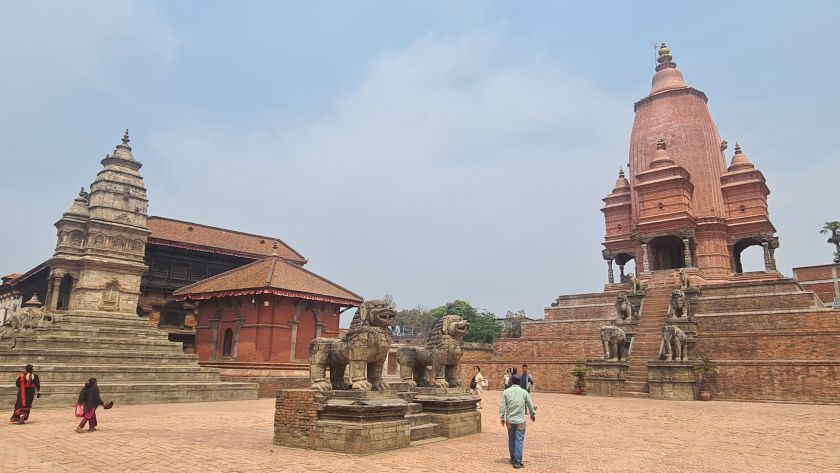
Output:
(341, 421)
(453, 409)
(672, 380)
(606, 378)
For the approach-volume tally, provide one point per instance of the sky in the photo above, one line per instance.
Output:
(428, 150)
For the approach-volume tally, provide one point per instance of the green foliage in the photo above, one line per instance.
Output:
(579, 372)
(831, 229)
(417, 321)
(483, 326)
(707, 370)
(513, 324)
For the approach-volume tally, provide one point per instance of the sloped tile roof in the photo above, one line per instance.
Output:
(271, 275)
(178, 233)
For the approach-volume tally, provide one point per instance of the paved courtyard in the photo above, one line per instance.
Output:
(572, 434)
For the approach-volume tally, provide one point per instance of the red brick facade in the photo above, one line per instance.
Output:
(824, 280)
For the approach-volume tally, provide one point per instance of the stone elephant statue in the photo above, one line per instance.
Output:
(613, 340)
(674, 344)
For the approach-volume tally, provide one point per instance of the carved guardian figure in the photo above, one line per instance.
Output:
(364, 348)
(623, 307)
(673, 345)
(442, 352)
(678, 306)
(613, 340)
(30, 316)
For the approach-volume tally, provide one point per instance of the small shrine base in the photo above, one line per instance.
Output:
(606, 378)
(672, 380)
(453, 409)
(358, 422)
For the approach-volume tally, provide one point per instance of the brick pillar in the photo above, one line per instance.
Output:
(295, 415)
(610, 276)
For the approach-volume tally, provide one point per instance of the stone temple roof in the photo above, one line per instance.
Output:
(270, 275)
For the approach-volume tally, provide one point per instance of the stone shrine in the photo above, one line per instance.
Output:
(356, 411)
(89, 325)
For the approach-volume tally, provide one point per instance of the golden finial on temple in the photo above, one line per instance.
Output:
(664, 54)
(660, 143)
(737, 148)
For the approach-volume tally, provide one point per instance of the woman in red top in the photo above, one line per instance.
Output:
(28, 386)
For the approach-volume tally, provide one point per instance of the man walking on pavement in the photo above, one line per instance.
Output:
(526, 381)
(516, 402)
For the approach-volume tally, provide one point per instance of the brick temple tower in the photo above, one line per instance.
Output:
(682, 206)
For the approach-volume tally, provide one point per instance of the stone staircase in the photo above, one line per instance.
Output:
(133, 361)
(423, 431)
(646, 342)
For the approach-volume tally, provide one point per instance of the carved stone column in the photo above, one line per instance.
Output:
(293, 341)
(214, 342)
(768, 259)
(645, 261)
(610, 276)
(687, 252)
(235, 346)
(772, 258)
(55, 284)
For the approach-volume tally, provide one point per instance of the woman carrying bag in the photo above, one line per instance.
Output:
(89, 400)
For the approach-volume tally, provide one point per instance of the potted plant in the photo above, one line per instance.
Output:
(579, 372)
(706, 369)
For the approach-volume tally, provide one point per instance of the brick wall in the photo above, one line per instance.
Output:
(823, 280)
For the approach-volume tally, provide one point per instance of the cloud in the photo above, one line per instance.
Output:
(451, 171)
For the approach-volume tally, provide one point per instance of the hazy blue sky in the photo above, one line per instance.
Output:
(431, 150)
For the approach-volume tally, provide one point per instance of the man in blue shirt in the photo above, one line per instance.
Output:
(526, 381)
(516, 402)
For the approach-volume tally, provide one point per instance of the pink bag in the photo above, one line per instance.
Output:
(80, 409)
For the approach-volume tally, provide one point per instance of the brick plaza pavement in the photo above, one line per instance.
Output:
(572, 434)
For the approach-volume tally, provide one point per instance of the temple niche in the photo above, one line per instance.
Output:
(682, 215)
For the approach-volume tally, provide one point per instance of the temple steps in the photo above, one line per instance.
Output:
(66, 394)
(418, 419)
(646, 341)
(22, 356)
(112, 373)
(116, 344)
(420, 443)
(424, 431)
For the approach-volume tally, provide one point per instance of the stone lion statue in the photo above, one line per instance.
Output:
(678, 306)
(442, 352)
(30, 316)
(673, 345)
(364, 348)
(613, 340)
(623, 307)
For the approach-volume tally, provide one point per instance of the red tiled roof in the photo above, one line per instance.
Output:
(271, 275)
(171, 232)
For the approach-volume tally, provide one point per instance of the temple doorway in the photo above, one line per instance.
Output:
(227, 345)
(626, 266)
(64, 289)
(667, 253)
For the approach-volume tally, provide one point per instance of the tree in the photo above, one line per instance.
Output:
(417, 321)
(513, 323)
(833, 230)
(483, 325)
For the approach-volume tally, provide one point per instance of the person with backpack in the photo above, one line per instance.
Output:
(476, 385)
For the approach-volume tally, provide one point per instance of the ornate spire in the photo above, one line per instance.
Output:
(125, 140)
(274, 249)
(664, 59)
(621, 184)
(32, 302)
(740, 160)
(660, 156)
